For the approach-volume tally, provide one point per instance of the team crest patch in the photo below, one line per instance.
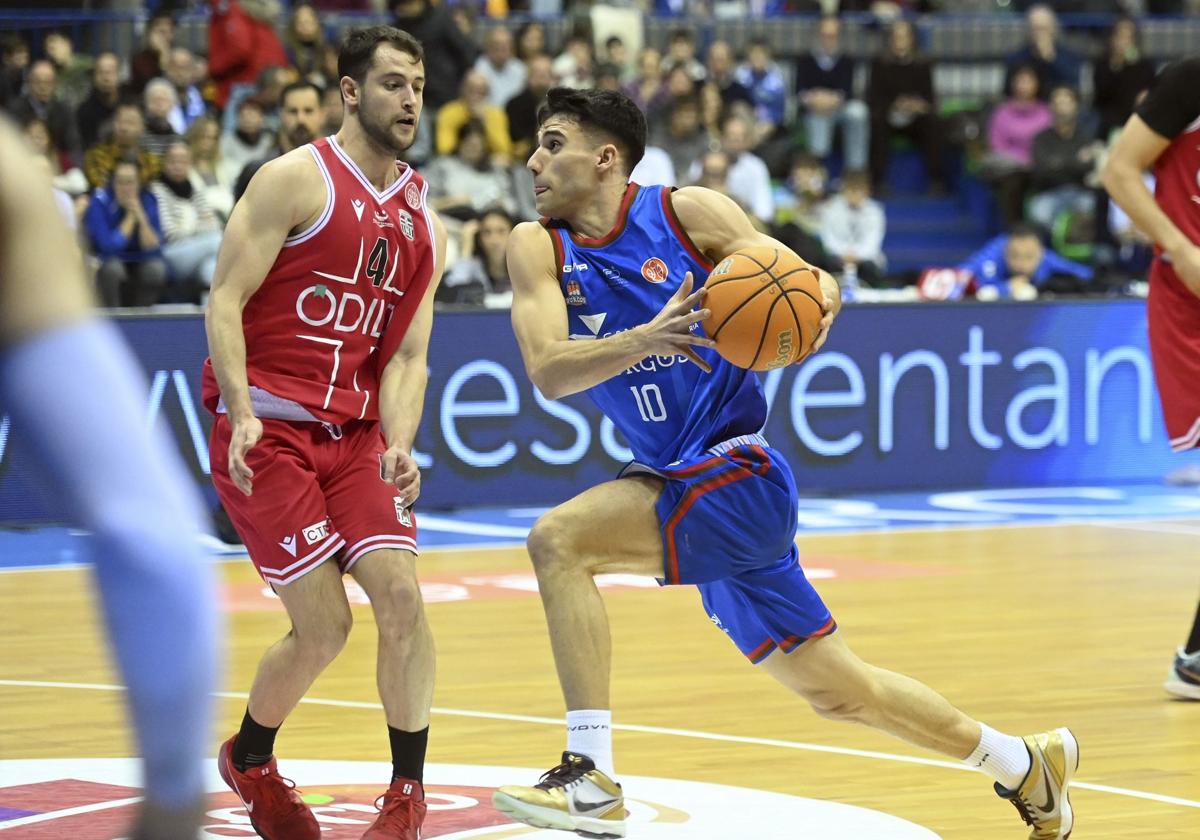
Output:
(406, 224)
(655, 270)
(575, 295)
(402, 514)
(413, 196)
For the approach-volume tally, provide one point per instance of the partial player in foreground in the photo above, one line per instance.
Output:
(76, 393)
(1164, 135)
(604, 303)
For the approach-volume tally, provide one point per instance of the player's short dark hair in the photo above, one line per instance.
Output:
(357, 53)
(606, 112)
(301, 84)
(1024, 230)
(856, 179)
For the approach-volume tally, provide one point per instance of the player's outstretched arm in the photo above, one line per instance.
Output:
(719, 227)
(402, 385)
(560, 367)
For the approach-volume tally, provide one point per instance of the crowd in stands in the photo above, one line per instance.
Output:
(151, 150)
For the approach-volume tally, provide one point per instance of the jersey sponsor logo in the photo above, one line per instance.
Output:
(316, 532)
(575, 296)
(382, 220)
(569, 267)
(348, 313)
(594, 322)
(412, 194)
(406, 225)
(358, 206)
(288, 544)
(613, 278)
(402, 514)
(655, 270)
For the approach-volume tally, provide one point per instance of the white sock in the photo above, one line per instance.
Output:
(589, 732)
(1003, 757)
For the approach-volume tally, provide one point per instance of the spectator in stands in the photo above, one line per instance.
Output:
(191, 228)
(122, 224)
(465, 183)
(608, 77)
(1063, 156)
(448, 53)
(96, 111)
(853, 226)
(654, 168)
(721, 73)
(480, 274)
(763, 78)
(714, 173)
(14, 61)
(1053, 63)
(521, 110)
(714, 109)
(648, 89)
(305, 42)
(74, 69)
(241, 43)
(749, 179)
(681, 52)
(1011, 130)
(331, 103)
(128, 127)
(798, 202)
(505, 73)
(680, 83)
(211, 173)
(900, 97)
(573, 66)
(531, 40)
(1015, 265)
(1119, 75)
(473, 104)
(300, 116)
(41, 101)
(151, 58)
(617, 54)
(682, 137)
(160, 103)
(61, 169)
(250, 140)
(181, 73)
(824, 80)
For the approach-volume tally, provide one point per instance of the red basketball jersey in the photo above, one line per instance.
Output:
(1172, 109)
(341, 294)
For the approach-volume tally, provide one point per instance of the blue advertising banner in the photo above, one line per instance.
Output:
(919, 396)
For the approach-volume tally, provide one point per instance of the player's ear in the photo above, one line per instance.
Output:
(349, 89)
(608, 156)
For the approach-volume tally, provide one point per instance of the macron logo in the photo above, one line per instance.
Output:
(358, 208)
(289, 545)
(593, 323)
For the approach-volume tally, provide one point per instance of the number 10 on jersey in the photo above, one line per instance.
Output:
(649, 402)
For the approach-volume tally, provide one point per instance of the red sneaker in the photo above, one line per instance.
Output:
(276, 811)
(401, 812)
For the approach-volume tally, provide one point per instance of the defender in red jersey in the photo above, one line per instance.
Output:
(1164, 133)
(318, 328)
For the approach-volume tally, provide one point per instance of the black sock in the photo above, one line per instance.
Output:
(254, 745)
(408, 753)
(1193, 642)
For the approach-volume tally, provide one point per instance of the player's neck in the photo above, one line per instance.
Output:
(601, 213)
(376, 162)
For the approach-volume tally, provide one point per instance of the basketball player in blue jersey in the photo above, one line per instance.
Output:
(73, 391)
(603, 302)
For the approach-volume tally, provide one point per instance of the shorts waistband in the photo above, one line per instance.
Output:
(733, 443)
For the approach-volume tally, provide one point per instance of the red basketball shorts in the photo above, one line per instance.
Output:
(314, 497)
(1174, 315)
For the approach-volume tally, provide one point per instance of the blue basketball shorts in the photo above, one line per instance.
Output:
(728, 520)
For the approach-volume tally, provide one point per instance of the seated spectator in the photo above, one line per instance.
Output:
(473, 104)
(617, 54)
(654, 168)
(41, 100)
(14, 62)
(521, 110)
(573, 66)
(681, 52)
(648, 89)
(1011, 130)
(150, 59)
(466, 183)
(1015, 265)
(852, 228)
(714, 110)
(128, 127)
(74, 69)
(191, 229)
(160, 102)
(1052, 63)
(189, 103)
(900, 97)
(721, 68)
(300, 116)
(480, 274)
(241, 43)
(824, 81)
(95, 113)
(713, 173)
(333, 111)
(304, 42)
(1119, 75)
(66, 176)
(798, 203)
(608, 77)
(531, 40)
(680, 84)
(747, 177)
(211, 173)
(1135, 248)
(505, 73)
(1063, 157)
(682, 138)
(250, 139)
(449, 54)
(122, 224)
(763, 78)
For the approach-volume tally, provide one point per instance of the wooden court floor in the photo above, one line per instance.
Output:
(1026, 628)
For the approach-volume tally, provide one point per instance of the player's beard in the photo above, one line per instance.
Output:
(382, 131)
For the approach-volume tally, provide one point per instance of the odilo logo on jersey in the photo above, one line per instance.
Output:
(320, 305)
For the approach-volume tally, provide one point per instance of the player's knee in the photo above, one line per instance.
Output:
(548, 545)
(398, 609)
(839, 703)
(322, 639)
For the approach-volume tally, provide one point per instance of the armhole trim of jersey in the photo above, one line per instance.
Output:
(323, 219)
(559, 258)
(433, 243)
(681, 234)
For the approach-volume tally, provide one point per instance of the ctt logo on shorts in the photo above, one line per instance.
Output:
(317, 532)
(402, 514)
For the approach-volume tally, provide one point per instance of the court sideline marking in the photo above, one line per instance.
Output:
(648, 730)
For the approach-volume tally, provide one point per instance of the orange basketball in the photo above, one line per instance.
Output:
(766, 308)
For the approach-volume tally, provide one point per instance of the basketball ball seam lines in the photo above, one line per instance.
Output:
(738, 309)
(762, 336)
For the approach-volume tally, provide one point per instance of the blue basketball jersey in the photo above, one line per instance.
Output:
(665, 406)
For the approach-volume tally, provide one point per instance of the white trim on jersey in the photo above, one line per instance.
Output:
(326, 214)
(355, 552)
(349, 163)
(1189, 440)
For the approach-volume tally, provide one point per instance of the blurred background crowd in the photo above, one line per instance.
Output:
(919, 149)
